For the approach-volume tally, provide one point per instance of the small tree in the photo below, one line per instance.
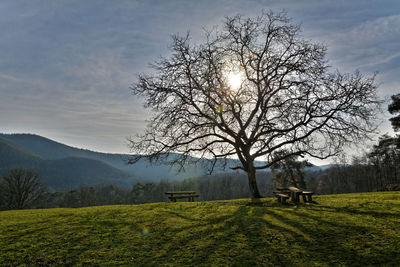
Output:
(394, 108)
(290, 171)
(251, 89)
(22, 188)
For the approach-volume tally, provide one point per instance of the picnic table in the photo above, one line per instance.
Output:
(284, 193)
(295, 193)
(190, 195)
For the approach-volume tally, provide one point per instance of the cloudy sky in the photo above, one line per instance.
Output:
(66, 66)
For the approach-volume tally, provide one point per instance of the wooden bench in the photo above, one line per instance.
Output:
(307, 194)
(281, 197)
(295, 192)
(190, 195)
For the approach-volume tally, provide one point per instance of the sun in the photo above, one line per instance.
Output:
(235, 80)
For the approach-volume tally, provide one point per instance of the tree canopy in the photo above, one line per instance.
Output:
(255, 87)
(21, 187)
(394, 108)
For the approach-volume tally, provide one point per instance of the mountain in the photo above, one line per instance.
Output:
(14, 155)
(69, 173)
(49, 149)
(62, 173)
(65, 167)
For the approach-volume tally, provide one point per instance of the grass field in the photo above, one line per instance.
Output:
(349, 229)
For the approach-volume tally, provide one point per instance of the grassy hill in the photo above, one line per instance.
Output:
(352, 229)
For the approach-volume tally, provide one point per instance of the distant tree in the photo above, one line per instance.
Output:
(144, 193)
(87, 195)
(71, 199)
(394, 108)
(137, 193)
(3, 199)
(22, 187)
(385, 157)
(112, 194)
(290, 171)
(251, 89)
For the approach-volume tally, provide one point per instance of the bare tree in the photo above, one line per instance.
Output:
(22, 187)
(251, 89)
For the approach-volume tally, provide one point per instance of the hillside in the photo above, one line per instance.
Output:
(64, 167)
(350, 229)
(69, 173)
(12, 155)
(64, 173)
(49, 149)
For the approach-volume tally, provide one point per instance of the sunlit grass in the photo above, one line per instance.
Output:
(360, 229)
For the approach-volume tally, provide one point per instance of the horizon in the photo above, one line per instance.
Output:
(65, 70)
(102, 152)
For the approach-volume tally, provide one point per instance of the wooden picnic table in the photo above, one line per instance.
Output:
(283, 193)
(190, 195)
(295, 193)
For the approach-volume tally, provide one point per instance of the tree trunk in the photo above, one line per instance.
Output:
(251, 174)
(302, 182)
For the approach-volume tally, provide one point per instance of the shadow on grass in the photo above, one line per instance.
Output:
(268, 203)
(257, 233)
(264, 233)
(355, 211)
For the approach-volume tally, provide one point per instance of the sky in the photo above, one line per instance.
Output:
(66, 66)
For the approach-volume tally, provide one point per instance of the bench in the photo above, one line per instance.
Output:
(295, 192)
(307, 194)
(281, 197)
(190, 195)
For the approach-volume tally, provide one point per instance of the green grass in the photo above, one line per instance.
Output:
(350, 229)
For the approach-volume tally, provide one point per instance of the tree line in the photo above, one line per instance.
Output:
(22, 189)
(376, 170)
(360, 176)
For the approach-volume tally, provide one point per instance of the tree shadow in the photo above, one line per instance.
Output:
(267, 232)
(261, 232)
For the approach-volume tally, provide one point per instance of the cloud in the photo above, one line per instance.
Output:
(66, 66)
(371, 43)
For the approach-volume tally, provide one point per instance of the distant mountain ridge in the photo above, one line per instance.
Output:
(49, 149)
(64, 167)
(62, 173)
